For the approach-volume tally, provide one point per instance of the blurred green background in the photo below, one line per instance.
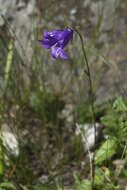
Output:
(42, 99)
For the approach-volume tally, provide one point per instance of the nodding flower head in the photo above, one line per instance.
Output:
(58, 39)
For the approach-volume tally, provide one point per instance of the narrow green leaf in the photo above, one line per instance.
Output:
(7, 185)
(84, 185)
(8, 64)
(1, 156)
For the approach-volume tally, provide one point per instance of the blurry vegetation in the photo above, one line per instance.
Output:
(41, 118)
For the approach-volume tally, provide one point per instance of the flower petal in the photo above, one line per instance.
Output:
(46, 43)
(45, 34)
(56, 51)
(66, 37)
(57, 34)
(60, 39)
(63, 55)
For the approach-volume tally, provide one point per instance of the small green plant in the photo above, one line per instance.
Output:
(7, 186)
(116, 121)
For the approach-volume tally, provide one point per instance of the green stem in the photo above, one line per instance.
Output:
(87, 72)
(1, 156)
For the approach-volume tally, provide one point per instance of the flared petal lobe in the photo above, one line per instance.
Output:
(58, 51)
(63, 55)
(47, 44)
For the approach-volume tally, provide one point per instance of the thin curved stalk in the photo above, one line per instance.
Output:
(87, 72)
